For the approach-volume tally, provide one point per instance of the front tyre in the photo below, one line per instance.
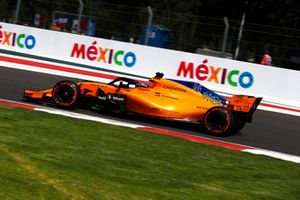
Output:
(66, 94)
(219, 121)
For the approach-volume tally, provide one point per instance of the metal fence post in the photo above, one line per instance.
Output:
(149, 24)
(225, 34)
(16, 17)
(236, 54)
(80, 15)
(237, 49)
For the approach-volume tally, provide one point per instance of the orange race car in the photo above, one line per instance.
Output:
(159, 97)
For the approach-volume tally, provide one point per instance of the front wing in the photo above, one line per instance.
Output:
(37, 95)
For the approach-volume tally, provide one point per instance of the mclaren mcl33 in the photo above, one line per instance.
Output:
(159, 97)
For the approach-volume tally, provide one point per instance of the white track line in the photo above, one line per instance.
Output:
(274, 154)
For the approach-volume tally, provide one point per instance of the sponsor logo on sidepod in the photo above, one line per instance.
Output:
(204, 72)
(99, 54)
(13, 39)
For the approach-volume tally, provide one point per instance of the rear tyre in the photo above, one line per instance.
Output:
(219, 121)
(66, 94)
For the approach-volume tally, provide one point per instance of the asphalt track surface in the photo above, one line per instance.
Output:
(268, 130)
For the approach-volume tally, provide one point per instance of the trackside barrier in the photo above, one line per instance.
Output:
(83, 55)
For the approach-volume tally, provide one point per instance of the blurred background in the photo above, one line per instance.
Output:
(235, 29)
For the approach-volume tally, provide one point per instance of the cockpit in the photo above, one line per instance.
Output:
(122, 82)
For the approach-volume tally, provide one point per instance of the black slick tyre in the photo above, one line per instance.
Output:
(66, 94)
(219, 121)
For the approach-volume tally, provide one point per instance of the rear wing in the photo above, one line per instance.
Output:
(242, 103)
(243, 107)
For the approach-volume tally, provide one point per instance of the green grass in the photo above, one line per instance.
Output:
(45, 156)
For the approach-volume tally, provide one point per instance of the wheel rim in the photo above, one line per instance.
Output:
(65, 94)
(217, 121)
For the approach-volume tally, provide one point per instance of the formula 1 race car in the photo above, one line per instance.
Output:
(159, 97)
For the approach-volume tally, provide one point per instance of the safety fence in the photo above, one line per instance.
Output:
(179, 31)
